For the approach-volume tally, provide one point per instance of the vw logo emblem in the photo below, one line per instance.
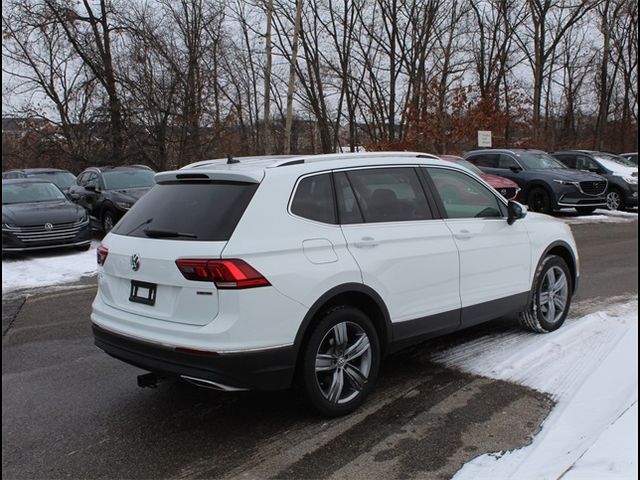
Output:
(135, 262)
(48, 227)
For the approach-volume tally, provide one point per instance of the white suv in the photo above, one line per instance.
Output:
(260, 273)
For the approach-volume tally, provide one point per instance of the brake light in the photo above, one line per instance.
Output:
(101, 253)
(229, 273)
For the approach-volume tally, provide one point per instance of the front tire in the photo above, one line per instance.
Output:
(340, 361)
(551, 296)
(108, 221)
(615, 199)
(539, 200)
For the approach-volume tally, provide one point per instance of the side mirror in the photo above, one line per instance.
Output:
(515, 211)
(515, 169)
(91, 188)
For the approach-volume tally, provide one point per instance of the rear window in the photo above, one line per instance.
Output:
(196, 211)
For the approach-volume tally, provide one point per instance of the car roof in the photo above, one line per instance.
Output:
(507, 150)
(253, 169)
(106, 168)
(36, 170)
(8, 181)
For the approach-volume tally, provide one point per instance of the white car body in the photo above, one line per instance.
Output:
(431, 276)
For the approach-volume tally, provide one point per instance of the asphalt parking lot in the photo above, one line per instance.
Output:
(70, 411)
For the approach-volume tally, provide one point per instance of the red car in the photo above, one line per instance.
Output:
(507, 188)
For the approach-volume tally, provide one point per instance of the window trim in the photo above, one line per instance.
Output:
(441, 207)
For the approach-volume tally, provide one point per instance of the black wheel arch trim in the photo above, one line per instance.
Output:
(326, 298)
(573, 268)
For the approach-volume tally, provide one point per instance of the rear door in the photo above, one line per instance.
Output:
(405, 254)
(175, 219)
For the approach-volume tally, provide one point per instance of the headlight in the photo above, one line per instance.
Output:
(564, 182)
(84, 218)
(631, 180)
(124, 205)
(8, 226)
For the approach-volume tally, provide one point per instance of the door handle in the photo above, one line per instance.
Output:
(366, 242)
(463, 235)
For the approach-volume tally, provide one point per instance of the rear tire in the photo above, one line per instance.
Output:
(585, 210)
(539, 200)
(340, 361)
(550, 297)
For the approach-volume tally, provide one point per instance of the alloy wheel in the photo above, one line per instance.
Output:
(343, 362)
(613, 200)
(554, 293)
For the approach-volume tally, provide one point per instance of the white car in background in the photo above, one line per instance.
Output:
(260, 273)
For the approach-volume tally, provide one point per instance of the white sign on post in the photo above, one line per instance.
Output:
(484, 138)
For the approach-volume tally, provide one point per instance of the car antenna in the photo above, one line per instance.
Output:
(231, 160)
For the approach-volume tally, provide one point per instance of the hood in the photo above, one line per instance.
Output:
(498, 182)
(620, 170)
(39, 213)
(569, 174)
(129, 195)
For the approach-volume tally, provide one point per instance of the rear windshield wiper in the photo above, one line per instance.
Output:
(158, 233)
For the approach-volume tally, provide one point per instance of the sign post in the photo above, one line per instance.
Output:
(484, 138)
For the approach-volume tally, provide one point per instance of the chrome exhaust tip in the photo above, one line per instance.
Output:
(201, 382)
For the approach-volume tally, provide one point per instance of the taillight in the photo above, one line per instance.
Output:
(230, 273)
(101, 253)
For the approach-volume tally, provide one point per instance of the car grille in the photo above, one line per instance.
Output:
(59, 232)
(593, 188)
(508, 193)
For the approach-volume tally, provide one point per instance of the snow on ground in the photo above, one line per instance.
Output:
(590, 367)
(46, 268)
(600, 216)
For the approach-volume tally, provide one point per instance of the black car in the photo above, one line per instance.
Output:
(62, 178)
(108, 192)
(546, 183)
(37, 215)
(622, 174)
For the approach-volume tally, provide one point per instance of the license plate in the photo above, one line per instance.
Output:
(143, 292)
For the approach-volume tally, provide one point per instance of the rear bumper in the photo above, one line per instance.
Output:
(268, 369)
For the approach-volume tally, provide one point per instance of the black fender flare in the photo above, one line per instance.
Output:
(332, 293)
(573, 268)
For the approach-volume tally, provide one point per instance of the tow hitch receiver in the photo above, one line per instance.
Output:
(148, 380)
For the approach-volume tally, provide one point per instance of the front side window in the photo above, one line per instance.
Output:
(586, 163)
(314, 199)
(389, 194)
(538, 160)
(463, 196)
(507, 162)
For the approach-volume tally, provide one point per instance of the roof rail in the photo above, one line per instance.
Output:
(300, 159)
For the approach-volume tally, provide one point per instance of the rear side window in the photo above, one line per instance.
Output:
(389, 195)
(314, 199)
(489, 160)
(196, 211)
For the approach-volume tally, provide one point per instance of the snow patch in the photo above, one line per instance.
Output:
(601, 216)
(46, 268)
(590, 367)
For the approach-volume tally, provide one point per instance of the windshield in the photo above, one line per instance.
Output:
(536, 160)
(30, 192)
(469, 166)
(61, 179)
(615, 158)
(123, 179)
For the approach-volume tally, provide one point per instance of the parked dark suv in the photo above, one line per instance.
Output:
(546, 183)
(108, 192)
(62, 178)
(622, 174)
